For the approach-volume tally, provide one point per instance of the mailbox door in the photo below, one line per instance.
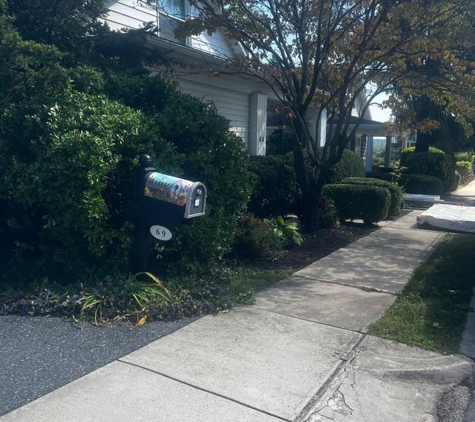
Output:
(196, 201)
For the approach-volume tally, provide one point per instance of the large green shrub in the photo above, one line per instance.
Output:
(207, 152)
(433, 163)
(54, 190)
(62, 191)
(275, 186)
(394, 190)
(204, 150)
(421, 184)
(369, 203)
(350, 165)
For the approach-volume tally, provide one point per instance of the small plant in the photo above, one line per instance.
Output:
(464, 156)
(254, 238)
(464, 169)
(287, 231)
(327, 213)
(120, 300)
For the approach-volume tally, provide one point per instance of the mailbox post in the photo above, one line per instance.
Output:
(161, 203)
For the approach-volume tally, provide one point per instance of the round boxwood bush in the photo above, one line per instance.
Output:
(394, 190)
(421, 184)
(350, 165)
(368, 203)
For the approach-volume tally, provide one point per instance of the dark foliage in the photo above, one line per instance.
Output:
(275, 186)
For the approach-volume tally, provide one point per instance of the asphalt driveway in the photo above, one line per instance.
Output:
(39, 355)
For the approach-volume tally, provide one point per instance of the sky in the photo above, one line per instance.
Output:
(377, 113)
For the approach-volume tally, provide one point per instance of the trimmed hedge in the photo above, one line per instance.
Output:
(350, 165)
(394, 190)
(369, 203)
(422, 184)
(433, 163)
(411, 150)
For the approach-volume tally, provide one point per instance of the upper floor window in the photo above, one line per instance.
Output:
(174, 8)
(170, 12)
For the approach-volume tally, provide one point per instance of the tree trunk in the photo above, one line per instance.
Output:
(311, 191)
(424, 140)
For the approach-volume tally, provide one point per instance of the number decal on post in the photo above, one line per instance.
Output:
(160, 233)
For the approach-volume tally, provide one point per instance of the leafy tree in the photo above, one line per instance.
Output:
(443, 118)
(63, 23)
(323, 54)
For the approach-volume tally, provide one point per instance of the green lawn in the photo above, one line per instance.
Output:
(431, 311)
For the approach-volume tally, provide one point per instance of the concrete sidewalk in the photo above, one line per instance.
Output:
(301, 353)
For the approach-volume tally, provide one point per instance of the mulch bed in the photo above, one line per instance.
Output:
(315, 246)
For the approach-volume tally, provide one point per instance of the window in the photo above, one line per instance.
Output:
(170, 13)
(172, 8)
(211, 105)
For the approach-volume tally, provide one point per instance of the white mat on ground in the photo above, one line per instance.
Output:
(417, 197)
(449, 217)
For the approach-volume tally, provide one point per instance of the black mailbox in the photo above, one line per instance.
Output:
(163, 201)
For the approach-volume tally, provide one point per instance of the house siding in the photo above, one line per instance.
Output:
(128, 14)
(230, 94)
(232, 105)
(133, 14)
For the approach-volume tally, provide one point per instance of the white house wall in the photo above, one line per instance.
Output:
(232, 96)
(232, 105)
(133, 14)
(128, 14)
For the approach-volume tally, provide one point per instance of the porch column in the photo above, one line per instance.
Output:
(403, 143)
(387, 153)
(369, 154)
(322, 129)
(257, 123)
(318, 128)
